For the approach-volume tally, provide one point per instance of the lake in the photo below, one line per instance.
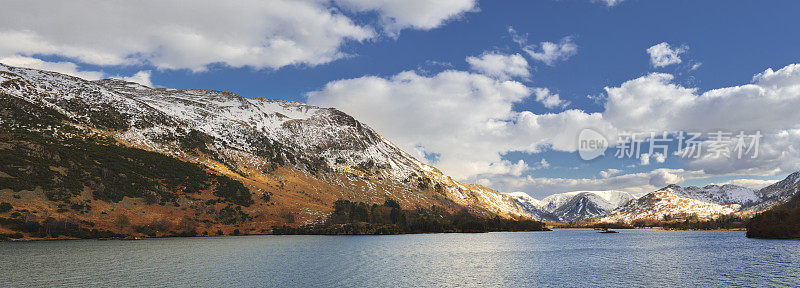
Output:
(564, 257)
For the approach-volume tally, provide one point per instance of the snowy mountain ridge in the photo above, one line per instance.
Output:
(252, 138)
(577, 205)
(706, 202)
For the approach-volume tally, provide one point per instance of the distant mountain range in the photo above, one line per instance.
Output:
(117, 155)
(669, 202)
(573, 206)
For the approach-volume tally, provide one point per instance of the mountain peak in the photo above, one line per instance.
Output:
(304, 157)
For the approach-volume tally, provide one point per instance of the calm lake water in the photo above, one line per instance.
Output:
(573, 258)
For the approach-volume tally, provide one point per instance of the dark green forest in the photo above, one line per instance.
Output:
(358, 218)
(780, 222)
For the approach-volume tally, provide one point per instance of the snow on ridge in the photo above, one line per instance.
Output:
(665, 202)
(234, 121)
(718, 194)
(524, 197)
(612, 197)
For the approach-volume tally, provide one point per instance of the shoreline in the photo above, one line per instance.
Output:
(133, 238)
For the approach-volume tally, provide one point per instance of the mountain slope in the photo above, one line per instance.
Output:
(666, 202)
(775, 194)
(294, 159)
(583, 205)
(781, 221)
(579, 205)
(718, 194)
(532, 206)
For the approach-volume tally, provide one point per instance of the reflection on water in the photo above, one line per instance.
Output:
(559, 258)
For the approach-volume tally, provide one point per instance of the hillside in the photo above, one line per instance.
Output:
(781, 221)
(704, 203)
(116, 156)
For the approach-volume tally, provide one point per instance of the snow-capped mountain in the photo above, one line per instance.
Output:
(775, 194)
(705, 202)
(306, 157)
(666, 202)
(723, 195)
(532, 206)
(574, 206)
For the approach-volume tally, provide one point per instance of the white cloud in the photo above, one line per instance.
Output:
(417, 14)
(654, 103)
(610, 172)
(767, 105)
(542, 164)
(659, 157)
(141, 77)
(174, 34)
(634, 183)
(550, 53)
(662, 54)
(469, 120)
(500, 66)
(547, 52)
(750, 183)
(67, 68)
(548, 99)
(466, 118)
(664, 177)
(644, 159)
(778, 154)
(609, 3)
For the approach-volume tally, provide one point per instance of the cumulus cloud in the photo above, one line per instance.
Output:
(634, 183)
(778, 154)
(549, 100)
(416, 14)
(546, 52)
(664, 177)
(654, 103)
(141, 77)
(609, 173)
(500, 66)
(466, 118)
(644, 158)
(550, 53)
(67, 68)
(662, 54)
(469, 120)
(179, 35)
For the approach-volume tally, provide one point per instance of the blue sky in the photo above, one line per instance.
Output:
(612, 43)
(726, 43)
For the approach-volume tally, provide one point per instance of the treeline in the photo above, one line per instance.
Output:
(685, 222)
(53, 228)
(358, 218)
(780, 222)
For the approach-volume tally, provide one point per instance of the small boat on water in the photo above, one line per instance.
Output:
(605, 230)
